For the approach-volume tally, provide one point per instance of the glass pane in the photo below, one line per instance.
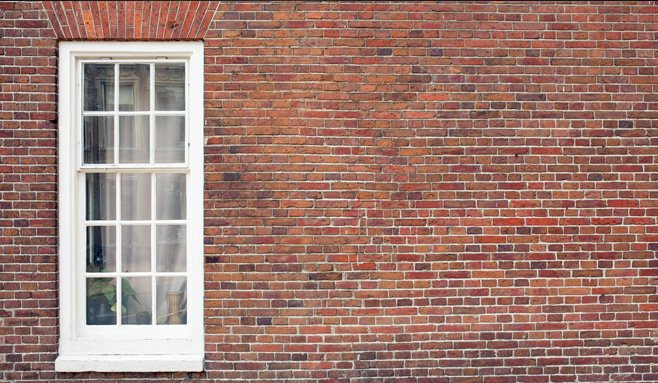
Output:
(136, 248)
(136, 300)
(170, 86)
(101, 196)
(170, 196)
(171, 248)
(171, 300)
(135, 196)
(134, 139)
(134, 85)
(98, 87)
(98, 140)
(169, 139)
(101, 249)
(101, 301)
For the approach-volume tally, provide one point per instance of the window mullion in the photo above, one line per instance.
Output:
(118, 247)
(117, 91)
(154, 296)
(175, 168)
(110, 113)
(187, 112)
(151, 114)
(79, 119)
(116, 114)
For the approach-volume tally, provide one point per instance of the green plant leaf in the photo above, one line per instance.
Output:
(106, 288)
(128, 290)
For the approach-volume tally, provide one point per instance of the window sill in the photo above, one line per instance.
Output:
(129, 363)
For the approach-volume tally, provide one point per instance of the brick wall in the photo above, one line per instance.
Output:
(395, 192)
(28, 193)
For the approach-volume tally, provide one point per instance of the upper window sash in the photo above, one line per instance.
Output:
(112, 114)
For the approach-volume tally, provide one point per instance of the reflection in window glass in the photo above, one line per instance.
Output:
(136, 196)
(135, 248)
(101, 196)
(170, 86)
(134, 86)
(171, 300)
(101, 248)
(134, 139)
(101, 301)
(171, 248)
(170, 196)
(136, 301)
(98, 87)
(98, 137)
(170, 139)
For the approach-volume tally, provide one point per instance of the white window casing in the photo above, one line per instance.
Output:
(156, 346)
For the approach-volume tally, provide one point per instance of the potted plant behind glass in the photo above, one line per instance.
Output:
(102, 302)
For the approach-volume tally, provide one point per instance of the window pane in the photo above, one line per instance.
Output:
(135, 196)
(170, 139)
(170, 196)
(101, 248)
(134, 139)
(170, 86)
(98, 140)
(101, 301)
(171, 247)
(101, 196)
(136, 300)
(98, 87)
(136, 248)
(171, 300)
(134, 86)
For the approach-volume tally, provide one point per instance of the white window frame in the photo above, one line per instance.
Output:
(125, 348)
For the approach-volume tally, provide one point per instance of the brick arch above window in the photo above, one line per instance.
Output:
(128, 20)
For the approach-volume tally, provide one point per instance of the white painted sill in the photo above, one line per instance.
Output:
(129, 363)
